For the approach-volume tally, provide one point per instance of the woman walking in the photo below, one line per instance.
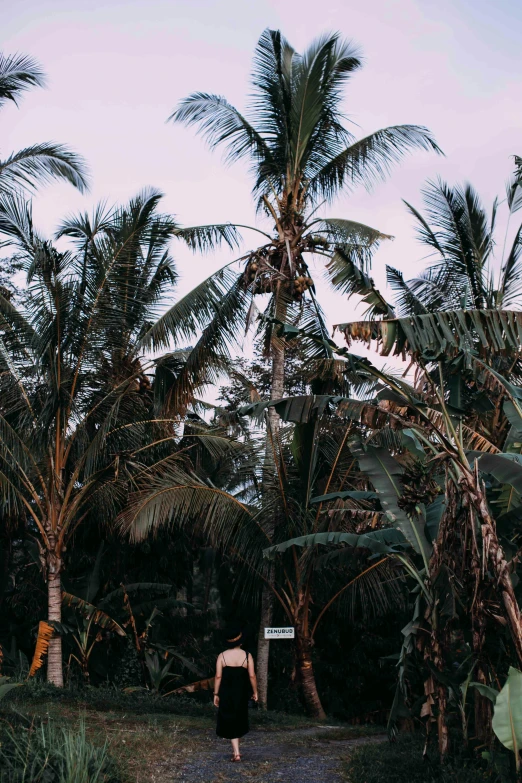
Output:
(235, 684)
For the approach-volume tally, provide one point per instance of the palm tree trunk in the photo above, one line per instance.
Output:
(54, 604)
(267, 599)
(263, 645)
(306, 675)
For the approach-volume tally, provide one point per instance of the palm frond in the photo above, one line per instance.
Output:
(43, 163)
(45, 632)
(192, 313)
(204, 238)
(220, 123)
(172, 497)
(370, 159)
(346, 273)
(18, 73)
(409, 303)
(510, 287)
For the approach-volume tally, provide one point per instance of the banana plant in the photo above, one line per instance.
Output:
(456, 356)
(507, 712)
(90, 624)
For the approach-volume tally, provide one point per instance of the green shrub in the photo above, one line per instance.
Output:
(45, 753)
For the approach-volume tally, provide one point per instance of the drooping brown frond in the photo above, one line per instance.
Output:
(193, 687)
(45, 632)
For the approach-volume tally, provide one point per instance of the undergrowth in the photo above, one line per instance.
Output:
(402, 762)
(42, 752)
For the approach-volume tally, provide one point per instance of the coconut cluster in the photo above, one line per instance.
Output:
(302, 284)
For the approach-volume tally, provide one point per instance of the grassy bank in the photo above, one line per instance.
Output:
(402, 762)
(146, 738)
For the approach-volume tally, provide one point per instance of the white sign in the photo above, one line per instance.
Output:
(279, 633)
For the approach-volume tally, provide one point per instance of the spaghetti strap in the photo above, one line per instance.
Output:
(223, 656)
(245, 661)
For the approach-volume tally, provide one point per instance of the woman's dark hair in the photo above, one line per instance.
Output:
(233, 636)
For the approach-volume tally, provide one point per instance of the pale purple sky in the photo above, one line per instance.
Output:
(117, 69)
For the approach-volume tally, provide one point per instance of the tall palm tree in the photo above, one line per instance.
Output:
(41, 162)
(302, 156)
(81, 423)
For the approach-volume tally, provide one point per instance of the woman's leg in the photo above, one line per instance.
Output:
(235, 747)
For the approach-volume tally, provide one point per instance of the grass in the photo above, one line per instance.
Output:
(148, 738)
(343, 733)
(139, 744)
(36, 752)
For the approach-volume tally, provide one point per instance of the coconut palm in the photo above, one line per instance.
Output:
(41, 162)
(317, 469)
(301, 156)
(81, 422)
(463, 293)
(458, 231)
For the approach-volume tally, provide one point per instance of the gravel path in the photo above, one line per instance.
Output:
(270, 757)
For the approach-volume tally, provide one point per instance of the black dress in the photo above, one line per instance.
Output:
(234, 693)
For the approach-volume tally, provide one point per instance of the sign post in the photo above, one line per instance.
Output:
(279, 633)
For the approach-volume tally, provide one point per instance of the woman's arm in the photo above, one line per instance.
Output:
(252, 675)
(217, 680)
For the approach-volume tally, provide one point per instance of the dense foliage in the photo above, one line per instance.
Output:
(377, 512)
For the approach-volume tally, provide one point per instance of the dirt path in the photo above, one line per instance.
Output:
(300, 756)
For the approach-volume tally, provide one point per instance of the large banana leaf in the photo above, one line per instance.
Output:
(434, 512)
(298, 409)
(377, 541)
(440, 334)
(506, 468)
(385, 472)
(507, 716)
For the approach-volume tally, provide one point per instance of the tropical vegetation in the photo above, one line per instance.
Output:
(376, 510)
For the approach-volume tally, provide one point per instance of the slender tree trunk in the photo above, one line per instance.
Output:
(54, 604)
(306, 675)
(189, 591)
(267, 599)
(263, 645)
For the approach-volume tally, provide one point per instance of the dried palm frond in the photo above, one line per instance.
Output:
(200, 685)
(45, 632)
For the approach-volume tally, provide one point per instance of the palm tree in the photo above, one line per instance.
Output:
(458, 231)
(42, 162)
(78, 426)
(465, 277)
(302, 156)
(317, 467)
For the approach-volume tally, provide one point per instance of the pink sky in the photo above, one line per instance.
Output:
(116, 70)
